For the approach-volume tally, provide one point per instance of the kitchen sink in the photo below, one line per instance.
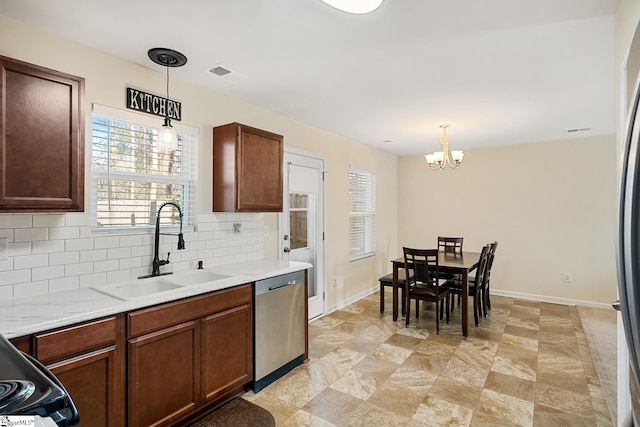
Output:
(195, 277)
(136, 288)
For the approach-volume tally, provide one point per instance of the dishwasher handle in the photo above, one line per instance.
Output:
(289, 283)
(275, 283)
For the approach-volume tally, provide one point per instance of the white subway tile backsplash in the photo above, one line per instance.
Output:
(15, 249)
(85, 232)
(78, 219)
(63, 258)
(48, 246)
(30, 234)
(106, 242)
(135, 240)
(93, 255)
(15, 276)
(105, 266)
(6, 264)
(31, 288)
(60, 233)
(51, 252)
(78, 269)
(95, 279)
(64, 284)
(48, 220)
(6, 292)
(131, 262)
(78, 244)
(118, 253)
(30, 261)
(16, 221)
(118, 276)
(46, 273)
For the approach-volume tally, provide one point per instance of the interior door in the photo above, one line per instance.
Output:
(302, 221)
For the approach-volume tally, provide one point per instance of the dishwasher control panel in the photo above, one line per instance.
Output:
(273, 283)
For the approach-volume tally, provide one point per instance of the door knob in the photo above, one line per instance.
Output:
(287, 250)
(616, 305)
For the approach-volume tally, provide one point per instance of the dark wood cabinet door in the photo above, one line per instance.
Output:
(227, 352)
(93, 382)
(164, 375)
(247, 169)
(41, 139)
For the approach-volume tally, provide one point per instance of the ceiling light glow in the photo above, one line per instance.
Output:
(355, 6)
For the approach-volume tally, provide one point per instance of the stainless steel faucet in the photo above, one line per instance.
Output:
(157, 262)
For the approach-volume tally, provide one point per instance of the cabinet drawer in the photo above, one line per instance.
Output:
(56, 345)
(154, 318)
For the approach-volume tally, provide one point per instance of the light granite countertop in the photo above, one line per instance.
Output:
(28, 315)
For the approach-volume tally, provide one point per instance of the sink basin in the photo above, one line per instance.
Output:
(195, 277)
(135, 289)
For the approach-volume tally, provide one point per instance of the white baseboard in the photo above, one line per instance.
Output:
(518, 295)
(351, 300)
(554, 300)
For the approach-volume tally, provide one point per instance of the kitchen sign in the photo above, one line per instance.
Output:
(153, 104)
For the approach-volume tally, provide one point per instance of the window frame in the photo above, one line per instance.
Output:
(367, 200)
(187, 180)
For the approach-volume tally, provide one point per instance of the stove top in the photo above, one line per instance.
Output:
(14, 392)
(28, 388)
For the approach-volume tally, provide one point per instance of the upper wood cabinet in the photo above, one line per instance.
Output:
(41, 139)
(247, 169)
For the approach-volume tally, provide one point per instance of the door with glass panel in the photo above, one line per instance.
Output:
(302, 221)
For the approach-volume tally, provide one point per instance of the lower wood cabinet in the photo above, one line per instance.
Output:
(157, 366)
(89, 361)
(227, 351)
(163, 375)
(188, 355)
(91, 380)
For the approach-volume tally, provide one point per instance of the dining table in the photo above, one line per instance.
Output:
(448, 263)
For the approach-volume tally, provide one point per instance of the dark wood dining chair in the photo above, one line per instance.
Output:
(422, 283)
(487, 279)
(450, 244)
(387, 281)
(477, 287)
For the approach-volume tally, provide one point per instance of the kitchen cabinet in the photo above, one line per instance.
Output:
(41, 139)
(88, 359)
(188, 354)
(247, 169)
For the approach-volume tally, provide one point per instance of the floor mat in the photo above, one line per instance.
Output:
(237, 413)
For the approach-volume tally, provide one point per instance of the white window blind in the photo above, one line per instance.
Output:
(362, 214)
(131, 176)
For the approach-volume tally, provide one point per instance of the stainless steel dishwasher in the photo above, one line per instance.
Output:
(280, 324)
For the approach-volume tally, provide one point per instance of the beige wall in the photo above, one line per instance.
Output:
(550, 205)
(106, 78)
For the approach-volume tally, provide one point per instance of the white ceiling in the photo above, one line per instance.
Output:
(498, 71)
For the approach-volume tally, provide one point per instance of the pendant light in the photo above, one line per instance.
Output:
(167, 137)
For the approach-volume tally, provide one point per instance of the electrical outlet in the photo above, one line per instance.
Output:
(335, 282)
(4, 248)
(567, 277)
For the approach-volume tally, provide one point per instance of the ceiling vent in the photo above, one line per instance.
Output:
(226, 73)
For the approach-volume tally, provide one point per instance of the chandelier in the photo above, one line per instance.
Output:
(439, 159)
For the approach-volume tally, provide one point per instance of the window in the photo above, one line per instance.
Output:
(362, 214)
(131, 176)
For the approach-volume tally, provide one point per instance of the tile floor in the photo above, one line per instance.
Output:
(528, 364)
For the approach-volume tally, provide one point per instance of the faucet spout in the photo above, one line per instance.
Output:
(157, 262)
